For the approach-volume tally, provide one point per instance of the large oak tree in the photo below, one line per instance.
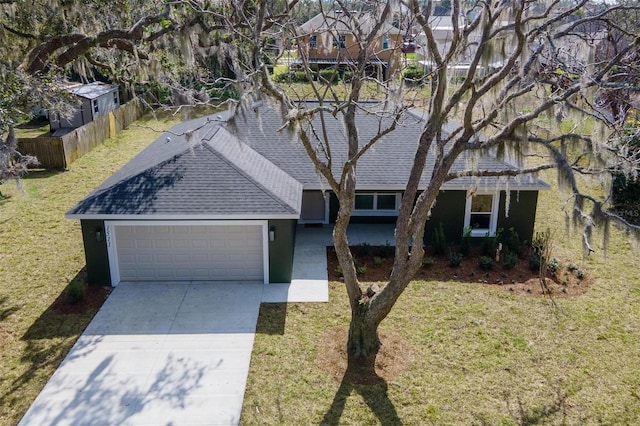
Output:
(521, 77)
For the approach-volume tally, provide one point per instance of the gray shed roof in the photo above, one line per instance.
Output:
(91, 90)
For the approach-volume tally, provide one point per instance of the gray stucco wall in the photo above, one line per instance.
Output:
(281, 250)
(95, 253)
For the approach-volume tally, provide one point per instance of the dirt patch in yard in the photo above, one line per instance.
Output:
(395, 355)
(566, 280)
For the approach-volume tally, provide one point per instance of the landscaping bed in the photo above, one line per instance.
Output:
(564, 279)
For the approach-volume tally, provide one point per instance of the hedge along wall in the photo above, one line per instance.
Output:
(60, 152)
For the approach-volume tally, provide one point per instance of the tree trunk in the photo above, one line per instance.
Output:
(362, 345)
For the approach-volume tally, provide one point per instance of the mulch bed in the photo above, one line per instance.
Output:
(519, 280)
(94, 297)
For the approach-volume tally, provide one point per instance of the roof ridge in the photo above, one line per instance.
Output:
(244, 173)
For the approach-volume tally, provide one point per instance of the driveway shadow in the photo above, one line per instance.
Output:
(375, 396)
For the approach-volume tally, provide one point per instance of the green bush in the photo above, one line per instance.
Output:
(74, 292)
(510, 260)
(360, 270)
(512, 242)
(414, 76)
(377, 261)
(364, 249)
(485, 262)
(455, 259)
(465, 242)
(428, 262)
(489, 243)
(554, 265)
(439, 240)
(330, 74)
(579, 274)
(386, 250)
(571, 267)
(299, 77)
(534, 261)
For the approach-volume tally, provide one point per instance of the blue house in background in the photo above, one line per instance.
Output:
(95, 99)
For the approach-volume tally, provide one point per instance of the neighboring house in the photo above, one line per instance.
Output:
(327, 41)
(442, 29)
(224, 203)
(95, 99)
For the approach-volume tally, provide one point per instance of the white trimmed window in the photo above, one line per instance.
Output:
(385, 41)
(376, 203)
(340, 42)
(481, 214)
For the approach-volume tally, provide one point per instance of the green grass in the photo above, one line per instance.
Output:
(481, 356)
(32, 131)
(41, 252)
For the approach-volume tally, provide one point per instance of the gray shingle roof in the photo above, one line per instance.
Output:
(249, 168)
(386, 165)
(218, 176)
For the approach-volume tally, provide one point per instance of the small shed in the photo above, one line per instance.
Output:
(96, 99)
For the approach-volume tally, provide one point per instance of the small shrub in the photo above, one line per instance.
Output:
(579, 274)
(534, 261)
(362, 269)
(74, 292)
(330, 74)
(571, 267)
(512, 241)
(455, 259)
(299, 77)
(377, 261)
(414, 76)
(510, 260)
(465, 242)
(428, 262)
(386, 251)
(364, 249)
(485, 263)
(554, 265)
(338, 271)
(439, 240)
(489, 243)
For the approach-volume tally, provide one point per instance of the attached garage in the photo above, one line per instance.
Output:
(187, 251)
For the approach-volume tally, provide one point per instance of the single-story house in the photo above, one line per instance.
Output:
(95, 99)
(219, 199)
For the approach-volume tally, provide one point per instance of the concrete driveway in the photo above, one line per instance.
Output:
(157, 354)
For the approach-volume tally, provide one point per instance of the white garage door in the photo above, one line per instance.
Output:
(190, 253)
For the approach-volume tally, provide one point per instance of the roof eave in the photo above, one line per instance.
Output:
(157, 216)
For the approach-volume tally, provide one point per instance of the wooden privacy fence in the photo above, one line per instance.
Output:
(59, 152)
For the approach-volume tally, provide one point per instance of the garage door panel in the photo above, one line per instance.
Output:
(207, 252)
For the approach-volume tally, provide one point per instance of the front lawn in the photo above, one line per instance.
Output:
(478, 354)
(41, 252)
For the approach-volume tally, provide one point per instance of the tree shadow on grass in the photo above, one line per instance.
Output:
(5, 310)
(41, 173)
(552, 411)
(271, 319)
(375, 396)
(47, 342)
